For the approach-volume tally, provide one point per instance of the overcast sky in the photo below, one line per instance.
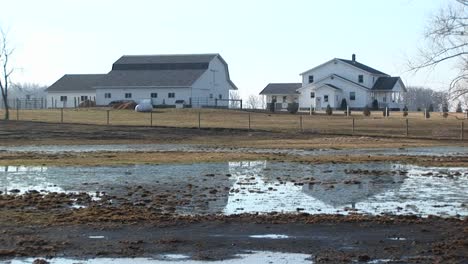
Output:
(263, 41)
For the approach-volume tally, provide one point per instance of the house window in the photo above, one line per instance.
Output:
(154, 95)
(128, 95)
(107, 95)
(273, 98)
(84, 97)
(63, 98)
(312, 94)
(311, 78)
(171, 95)
(361, 78)
(285, 98)
(211, 96)
(352, 96)
(325, 98)
(220, 96)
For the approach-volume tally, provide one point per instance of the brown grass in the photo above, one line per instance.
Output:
(436, 127)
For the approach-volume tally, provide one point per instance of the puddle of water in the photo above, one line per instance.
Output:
(415, 151)
(397, 238)
(96, 237)
(270, 236)
(252, 258)
(250, 187)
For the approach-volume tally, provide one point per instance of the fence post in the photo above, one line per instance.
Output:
(300, 122)
(353, 127)
(199, 119)
(461, 132)
(407, 127)
(249, 121)
(108, 114)
(347, 111)
(61, 115)
(151, 118)
(17, 111)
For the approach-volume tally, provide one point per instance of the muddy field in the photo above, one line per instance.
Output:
(88, 194)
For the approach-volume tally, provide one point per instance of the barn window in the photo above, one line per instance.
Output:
(63, 98)
(325, 98)
(128, 95)
(154, 95)
(84, 97)
(311, 78)
(352, 96)
(312, 94)
(171, 95)
(361, 78)
(107, 95)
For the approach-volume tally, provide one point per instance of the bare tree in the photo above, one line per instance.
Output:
(447, 40)
(5, 71)
(253, 102)
(420, 97)
(234, 96)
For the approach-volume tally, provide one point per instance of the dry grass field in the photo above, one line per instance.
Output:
(435, 127)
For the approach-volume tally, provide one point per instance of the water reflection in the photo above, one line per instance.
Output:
(260, 186)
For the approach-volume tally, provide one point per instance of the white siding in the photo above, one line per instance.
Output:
(362, 97)
(53, 98)
(342, 69)
(139, 94)
(213, 82)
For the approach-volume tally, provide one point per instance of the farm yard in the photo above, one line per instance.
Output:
(396, 125)
(76, 191)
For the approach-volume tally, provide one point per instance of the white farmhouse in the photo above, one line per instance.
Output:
(196, 80)
(335, 80)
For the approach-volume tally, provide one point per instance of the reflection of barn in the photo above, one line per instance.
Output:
(187, 185)
(352, 189)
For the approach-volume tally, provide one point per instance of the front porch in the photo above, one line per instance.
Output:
(391, 99)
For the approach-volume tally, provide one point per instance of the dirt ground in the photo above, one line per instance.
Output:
(38, 225)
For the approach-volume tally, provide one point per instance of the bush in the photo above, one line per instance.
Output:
(427, 114)
(344, 104)
(445, 111)
(375, 105)
(405, 111)
(329, 110)
(459, 108)
(366, 111)
(293, 108)
(386, 111)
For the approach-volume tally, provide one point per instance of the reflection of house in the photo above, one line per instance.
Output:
(338, 79)
(197, 79)
(342, 194)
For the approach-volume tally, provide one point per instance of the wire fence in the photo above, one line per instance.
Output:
(396, 125)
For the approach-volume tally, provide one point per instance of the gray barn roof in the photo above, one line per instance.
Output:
(76, 82)
(385, 83)
(362, 66)
(281, 88)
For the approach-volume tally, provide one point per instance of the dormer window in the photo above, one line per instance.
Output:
(361, 78)
(311, 78)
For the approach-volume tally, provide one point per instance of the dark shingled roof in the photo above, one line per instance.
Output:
(385, 83)
(362, 66)
(281, 88)
(76, 82)
(134, 78)
(332, 86)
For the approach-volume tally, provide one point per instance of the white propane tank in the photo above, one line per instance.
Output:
(144, 106)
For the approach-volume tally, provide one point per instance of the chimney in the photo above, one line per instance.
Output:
(354, 57)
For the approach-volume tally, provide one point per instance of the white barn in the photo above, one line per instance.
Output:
(196, 80)
(335, 80)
